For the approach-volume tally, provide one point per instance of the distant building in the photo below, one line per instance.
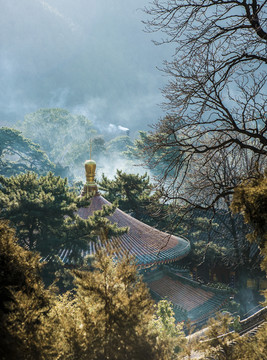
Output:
(118, 130)
(124, 130)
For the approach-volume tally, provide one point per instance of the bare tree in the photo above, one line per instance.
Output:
(216, 95)
(210, 185)
(235, 28)
(214, 134)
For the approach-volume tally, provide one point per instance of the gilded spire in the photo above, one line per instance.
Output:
(90, 167)
(90, 188)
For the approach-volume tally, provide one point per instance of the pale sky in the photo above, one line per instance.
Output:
(90, 57)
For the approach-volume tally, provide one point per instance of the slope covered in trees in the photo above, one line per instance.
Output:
(109, 315)
(68, 139)
(19, 154)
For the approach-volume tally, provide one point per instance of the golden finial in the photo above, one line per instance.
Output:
(90, 167)
(90, 187)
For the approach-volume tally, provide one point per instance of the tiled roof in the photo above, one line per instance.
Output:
(199, 303)
(149, 245)
(181, 294)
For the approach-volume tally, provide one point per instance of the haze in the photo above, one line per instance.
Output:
(90, 57)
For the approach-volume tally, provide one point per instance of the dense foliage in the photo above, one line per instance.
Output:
(250, 198)
(133, 193)
(116, 316)
(118, 145)
(157, 160)
(43, 212)
(69, 139)
(110, 315)
(57, 131)
(24, 303)
(19, 154)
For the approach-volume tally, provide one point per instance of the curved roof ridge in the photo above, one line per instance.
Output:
(148, 244)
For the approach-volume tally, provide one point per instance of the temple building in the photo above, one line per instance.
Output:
(157, 255)
(148, 245)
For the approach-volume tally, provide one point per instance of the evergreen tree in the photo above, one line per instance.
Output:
(119, 144)
(221, 342)
(113, 317)
(156, 159)
(170, 337)
(110, 315)
(24, 303)
(207, 253)
(65, 137)
(19, 154)
(56, 130)
(133, 193)
(250, 199)
(43, 211)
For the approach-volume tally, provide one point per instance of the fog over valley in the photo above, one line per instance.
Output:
(90, 57)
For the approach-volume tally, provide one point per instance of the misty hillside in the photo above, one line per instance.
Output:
(83, 56)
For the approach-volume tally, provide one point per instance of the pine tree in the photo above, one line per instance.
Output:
(109, 315)
(170, 336)
(43, 212)
(112, 316)
(19, 154)
(134, 195)
(24, 303)
(115, 299)
(250, 199)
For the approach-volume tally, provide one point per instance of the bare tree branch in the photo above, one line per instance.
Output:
(216, 95)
